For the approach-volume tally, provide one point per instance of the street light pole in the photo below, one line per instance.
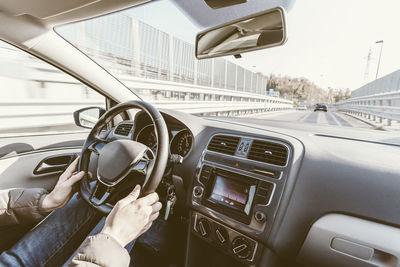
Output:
(379, 61)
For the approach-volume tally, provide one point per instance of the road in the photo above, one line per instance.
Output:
(333, 118)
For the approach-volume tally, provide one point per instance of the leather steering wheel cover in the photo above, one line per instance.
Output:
(161, 157)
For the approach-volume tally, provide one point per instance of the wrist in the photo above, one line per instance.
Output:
(108, 231)
(47, 204)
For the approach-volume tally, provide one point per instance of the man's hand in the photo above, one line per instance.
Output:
(64, 189)
(131, 217)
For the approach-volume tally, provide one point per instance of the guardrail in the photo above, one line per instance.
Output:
(37, 115)
(41, 115)
(151, 89)
(46, 114)
(376, 107)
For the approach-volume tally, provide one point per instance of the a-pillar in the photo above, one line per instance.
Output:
(389, 121)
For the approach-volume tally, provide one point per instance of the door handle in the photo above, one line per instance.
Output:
(54, 164)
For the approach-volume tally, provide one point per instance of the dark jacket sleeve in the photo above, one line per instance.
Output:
(21, 206)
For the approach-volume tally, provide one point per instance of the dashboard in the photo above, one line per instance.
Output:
(142, 131)
(258, 193)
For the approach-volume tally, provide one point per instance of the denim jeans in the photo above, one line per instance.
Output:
(54, 240)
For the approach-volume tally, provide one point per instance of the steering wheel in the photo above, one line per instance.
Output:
(117, 159)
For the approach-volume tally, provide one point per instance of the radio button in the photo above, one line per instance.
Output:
(198, 191)
(262, 191)
(260, 199)
(205, 174)
(264, 184)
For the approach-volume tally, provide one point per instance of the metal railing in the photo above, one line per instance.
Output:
(41, 109)
(39, 115)
(376, 107)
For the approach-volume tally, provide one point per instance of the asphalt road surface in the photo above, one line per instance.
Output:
(333, 118)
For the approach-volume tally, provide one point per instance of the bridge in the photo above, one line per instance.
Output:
(37, 97)
(162, 70)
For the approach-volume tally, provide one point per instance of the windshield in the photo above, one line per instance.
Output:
(339, 57)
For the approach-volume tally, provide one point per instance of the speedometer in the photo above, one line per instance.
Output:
(182, 143)
(148, 137)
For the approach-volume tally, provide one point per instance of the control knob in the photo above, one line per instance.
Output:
(203, 227)
(198, 191)
(221, 234)
(241, 247)
(259, 216)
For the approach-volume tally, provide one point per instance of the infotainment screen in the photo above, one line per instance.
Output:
(230, 193)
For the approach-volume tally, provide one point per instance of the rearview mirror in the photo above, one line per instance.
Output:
(87, 117)
(254, 32)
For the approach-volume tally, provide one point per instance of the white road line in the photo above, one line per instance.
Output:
(354, 122)
(305, 116)
(271, 114)
(336, 120)
(319, 118)
(324, 119)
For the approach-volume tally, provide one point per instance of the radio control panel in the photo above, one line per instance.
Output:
(237, 196)
(233, 243)
(238, 192)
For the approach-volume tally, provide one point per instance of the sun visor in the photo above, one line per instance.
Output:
(215, 4)
(205, 16)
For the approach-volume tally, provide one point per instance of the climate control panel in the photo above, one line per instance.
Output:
(232, 242)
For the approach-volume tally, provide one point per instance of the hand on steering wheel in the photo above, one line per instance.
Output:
(119, 158)
(64, 189)
(138, 214)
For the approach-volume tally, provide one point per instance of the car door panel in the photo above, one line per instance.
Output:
(37, 161)
(18, 171)
(11, 146)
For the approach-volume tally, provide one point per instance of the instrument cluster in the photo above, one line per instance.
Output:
(181, 140)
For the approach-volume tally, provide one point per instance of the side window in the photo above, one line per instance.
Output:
(37, 98)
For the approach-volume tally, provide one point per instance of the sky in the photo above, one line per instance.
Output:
(328, 41)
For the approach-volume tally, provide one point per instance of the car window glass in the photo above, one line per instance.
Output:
(37, 98)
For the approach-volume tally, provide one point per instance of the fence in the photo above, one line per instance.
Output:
(125, 45)
(56, 116)
(37, 97)
(378, 101)
(160, 68)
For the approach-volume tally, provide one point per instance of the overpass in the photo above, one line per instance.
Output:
(37, 97)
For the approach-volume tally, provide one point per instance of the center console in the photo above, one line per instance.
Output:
(233, 194)
(239, 182)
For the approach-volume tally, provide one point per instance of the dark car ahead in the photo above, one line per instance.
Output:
(322, 107)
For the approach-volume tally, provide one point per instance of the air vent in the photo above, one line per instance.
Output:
(268, 152)
(123, 129)
(224, 144)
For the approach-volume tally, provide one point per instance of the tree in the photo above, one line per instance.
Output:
(297, 88)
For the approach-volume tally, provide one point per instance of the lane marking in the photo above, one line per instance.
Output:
(312, 118)
(272, 114)
(323, 118)
(336, 120)
(303, 118)
(343, 121)
(319, 117)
